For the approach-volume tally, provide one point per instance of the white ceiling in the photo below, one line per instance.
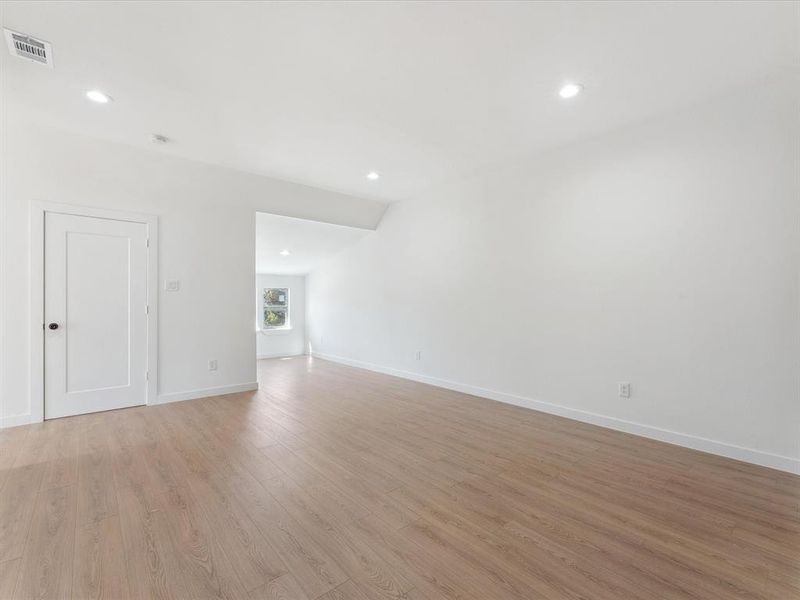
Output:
(323, 92)
(309, 242)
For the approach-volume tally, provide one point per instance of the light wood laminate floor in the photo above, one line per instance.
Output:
(337, 483)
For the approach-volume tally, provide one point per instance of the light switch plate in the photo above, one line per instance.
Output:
(172, 285)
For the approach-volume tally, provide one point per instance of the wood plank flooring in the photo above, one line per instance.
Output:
(337, 483)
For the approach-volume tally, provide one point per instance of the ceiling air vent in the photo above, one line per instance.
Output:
(29, 48)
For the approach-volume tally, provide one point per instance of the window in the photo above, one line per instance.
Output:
(276, 308)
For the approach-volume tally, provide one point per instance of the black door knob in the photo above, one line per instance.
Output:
(53, 326)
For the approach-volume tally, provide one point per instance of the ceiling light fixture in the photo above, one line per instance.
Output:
(98, 96)
(285, 253)
(373, 175)
(570, 90)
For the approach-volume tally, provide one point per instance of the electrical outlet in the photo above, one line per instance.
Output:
(624, 389)
(418, 355)
(172, 285)
(212, 365)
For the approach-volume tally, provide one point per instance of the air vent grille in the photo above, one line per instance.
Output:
(29, 48)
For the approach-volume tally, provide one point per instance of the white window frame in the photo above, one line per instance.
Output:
(288, 307)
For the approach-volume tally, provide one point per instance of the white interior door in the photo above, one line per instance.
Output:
(95, 303)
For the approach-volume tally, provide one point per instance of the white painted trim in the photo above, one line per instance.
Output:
(26, 419)
(758, 457)
(206, 392)
(278, 331)
(38, 210)
(278, 355)
(15, 421)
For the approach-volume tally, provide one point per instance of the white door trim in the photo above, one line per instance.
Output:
(38, 211)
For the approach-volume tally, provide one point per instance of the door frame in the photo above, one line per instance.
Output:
(39, 211)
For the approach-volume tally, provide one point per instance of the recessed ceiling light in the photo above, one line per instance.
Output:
(285, 253)
(98, 96)
(373, 175)
(570, 90)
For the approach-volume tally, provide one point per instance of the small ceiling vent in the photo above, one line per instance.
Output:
(29, 48)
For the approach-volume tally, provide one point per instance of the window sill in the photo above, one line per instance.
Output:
(279, 331)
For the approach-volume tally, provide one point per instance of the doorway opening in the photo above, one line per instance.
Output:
(288, 250)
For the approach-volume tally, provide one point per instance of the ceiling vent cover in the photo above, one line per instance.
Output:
(29, 48)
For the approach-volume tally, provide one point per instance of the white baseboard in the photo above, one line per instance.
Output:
(15, 421)
(277, 355)
(758, 457)
(206, 392)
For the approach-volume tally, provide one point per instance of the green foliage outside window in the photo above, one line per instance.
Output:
(276, 296)
(274, 318)
(276, 308)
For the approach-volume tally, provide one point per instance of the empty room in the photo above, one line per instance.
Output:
(355, 300)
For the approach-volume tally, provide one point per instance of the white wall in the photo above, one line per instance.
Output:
(282, 342)
(206, 219)
(665, 255)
